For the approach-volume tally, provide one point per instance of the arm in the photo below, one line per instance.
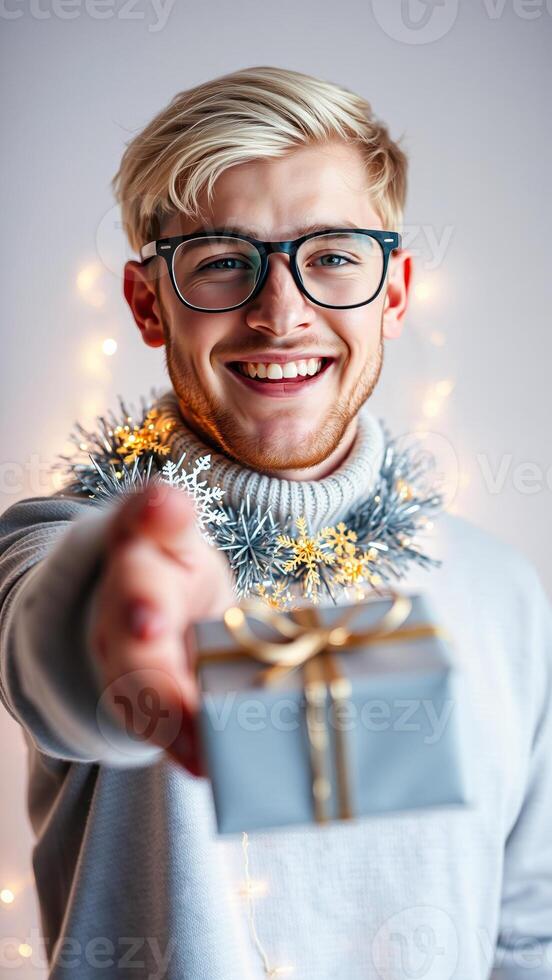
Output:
(524, 945)
(51, 552)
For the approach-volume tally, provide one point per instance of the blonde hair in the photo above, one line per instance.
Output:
(250, 114)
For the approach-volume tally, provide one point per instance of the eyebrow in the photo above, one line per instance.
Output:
(298, 233)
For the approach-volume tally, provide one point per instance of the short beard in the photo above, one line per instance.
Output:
(218, 427)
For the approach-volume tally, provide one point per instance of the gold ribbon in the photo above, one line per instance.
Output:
(309, 644)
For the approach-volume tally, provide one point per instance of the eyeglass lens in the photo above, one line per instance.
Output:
(337, 268)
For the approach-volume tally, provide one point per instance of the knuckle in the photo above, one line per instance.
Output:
(129, 557)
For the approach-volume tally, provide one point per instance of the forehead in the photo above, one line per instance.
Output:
(281, 198)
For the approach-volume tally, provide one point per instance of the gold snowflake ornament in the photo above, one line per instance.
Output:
(334, 549)
(340, 539)
(140, 439)
(309, 554)
(279, 597)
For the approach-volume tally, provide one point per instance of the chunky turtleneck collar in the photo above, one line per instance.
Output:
(323, 502)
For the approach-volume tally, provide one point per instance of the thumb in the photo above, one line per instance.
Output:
(161, 513)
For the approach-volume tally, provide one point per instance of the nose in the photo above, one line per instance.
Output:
(280, 307)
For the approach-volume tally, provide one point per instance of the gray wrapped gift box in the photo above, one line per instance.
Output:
(399, 740)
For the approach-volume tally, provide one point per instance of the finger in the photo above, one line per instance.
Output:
(148, 682)
(187, 748)
(148, 630)
(141, 606)
(164, 515)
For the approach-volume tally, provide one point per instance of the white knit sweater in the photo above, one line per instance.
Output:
(321, 501)
(128, 865)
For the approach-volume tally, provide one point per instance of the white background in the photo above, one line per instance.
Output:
(468, 91)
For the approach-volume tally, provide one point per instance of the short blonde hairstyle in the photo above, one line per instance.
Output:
(250, 114)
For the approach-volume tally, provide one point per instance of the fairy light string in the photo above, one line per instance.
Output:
(250, 891)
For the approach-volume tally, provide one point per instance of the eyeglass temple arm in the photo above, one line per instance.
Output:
(148, 251)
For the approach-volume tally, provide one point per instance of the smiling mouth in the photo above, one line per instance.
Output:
(283, 377)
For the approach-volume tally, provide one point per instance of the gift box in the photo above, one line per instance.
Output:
(330, 712)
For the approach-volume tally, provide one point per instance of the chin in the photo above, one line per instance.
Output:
(284, 429)
(284, 443)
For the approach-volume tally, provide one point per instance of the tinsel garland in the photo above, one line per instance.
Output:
(372, 545)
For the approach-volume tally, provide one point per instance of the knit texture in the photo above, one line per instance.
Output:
(126, 848)
(322, 501)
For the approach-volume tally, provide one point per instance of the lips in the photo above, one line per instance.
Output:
(282, 387)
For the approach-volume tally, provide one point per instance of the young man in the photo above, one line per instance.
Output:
(273, 354)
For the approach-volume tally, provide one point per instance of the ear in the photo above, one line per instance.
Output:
(396, 297)
(139, 290)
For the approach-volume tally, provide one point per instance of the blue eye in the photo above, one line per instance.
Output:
(217, 263)
(333, 256)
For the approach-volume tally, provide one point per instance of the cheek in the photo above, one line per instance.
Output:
(193, 340)
(359, 333)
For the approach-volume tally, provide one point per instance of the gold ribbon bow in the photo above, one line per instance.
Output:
(309, 644)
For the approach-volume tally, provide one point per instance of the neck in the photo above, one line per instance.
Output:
(317, 472)
(323, 494)
(328, 465)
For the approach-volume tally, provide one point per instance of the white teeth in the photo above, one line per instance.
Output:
(290, 369)
(275, 372)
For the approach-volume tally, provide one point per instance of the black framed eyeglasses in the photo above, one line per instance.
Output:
(217, 271)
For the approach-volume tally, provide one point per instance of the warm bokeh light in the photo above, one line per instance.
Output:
(254, 889)
(91, 359)
(88, 276)
(25, 950)
(431, 407)
(422, 291)
(109, 346)
(56, 481)
(443, 388)
(7, 896)
(87, 284)
(435, 395)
